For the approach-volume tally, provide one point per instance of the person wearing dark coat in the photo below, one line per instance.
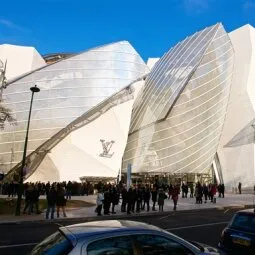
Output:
(133, 200)
(205, 192)
(61, 201)
(147, 196)
(154, 196)
(223, 190)
(130, 200)
(175, 196)
(161, 199)
(35, 199)
(191, 190)
(114, 199)
(28, 200)
(107, 202)
(170, 190)
(51, 202)
(138, 199)
(124, 199)
(240, 187)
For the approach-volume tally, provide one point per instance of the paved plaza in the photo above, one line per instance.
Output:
(230, 200)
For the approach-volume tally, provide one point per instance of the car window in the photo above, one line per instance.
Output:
(244, 222)
(111, 246)
(55, 244)
(158, 245)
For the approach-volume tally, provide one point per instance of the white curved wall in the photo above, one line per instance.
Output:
(236, 149)
(78, 154)
(69, 88)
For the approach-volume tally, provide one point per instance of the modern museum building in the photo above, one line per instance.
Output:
(187, 116)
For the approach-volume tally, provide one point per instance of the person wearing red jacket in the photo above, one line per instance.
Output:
(213, 192)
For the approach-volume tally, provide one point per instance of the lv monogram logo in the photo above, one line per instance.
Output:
(106, 149)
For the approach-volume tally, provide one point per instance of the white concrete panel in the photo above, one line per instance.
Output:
(237, 157)
(20, 59)
(151, 62)
(78, 154)
(69, 89)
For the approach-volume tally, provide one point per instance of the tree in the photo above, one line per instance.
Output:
(5, 112)
(5, 115)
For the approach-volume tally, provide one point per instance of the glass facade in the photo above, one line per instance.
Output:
(178, 118)
(69, 88)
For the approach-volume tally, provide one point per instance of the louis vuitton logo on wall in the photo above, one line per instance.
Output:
(106, 148)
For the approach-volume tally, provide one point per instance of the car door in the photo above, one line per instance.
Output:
(152, 244)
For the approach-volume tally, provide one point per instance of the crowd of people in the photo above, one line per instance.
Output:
(56, 194)
(72, 188)
(135, 199)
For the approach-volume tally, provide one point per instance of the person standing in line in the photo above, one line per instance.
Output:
(191, 190)
(129, 200)
(213, 193)
(161, 199)
(147, 196)
(138, 200)
(205, 192)
(35, 199)
(124, 199)
(240, 188)
(115, 199)
(61, 201)
(154, 196)
(170, 190)
(183, 189)
(175, 196)
(51, 202)
(223, 190)
(100, 199)
(69, 190)
(107, 202)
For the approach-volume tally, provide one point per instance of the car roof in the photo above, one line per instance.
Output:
(247, 211)
(92, 228)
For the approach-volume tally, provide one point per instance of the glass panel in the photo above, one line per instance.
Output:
(155, 245)
(55, 244)
(111, 246)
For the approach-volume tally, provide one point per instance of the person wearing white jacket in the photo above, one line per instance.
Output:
(99, 201)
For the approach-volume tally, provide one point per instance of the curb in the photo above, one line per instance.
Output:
(122, 216)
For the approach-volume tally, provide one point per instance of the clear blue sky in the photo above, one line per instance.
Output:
(151, 26)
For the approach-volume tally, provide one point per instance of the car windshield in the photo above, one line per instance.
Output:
(244, 222)
(55, 244)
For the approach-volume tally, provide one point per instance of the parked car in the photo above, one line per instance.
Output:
(239, 236)
(117, 237)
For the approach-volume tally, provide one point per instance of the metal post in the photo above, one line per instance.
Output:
(23, 163)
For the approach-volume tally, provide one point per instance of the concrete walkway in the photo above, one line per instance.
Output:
(230, 200)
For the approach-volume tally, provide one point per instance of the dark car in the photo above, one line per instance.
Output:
(116, 237)
(239, 236)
